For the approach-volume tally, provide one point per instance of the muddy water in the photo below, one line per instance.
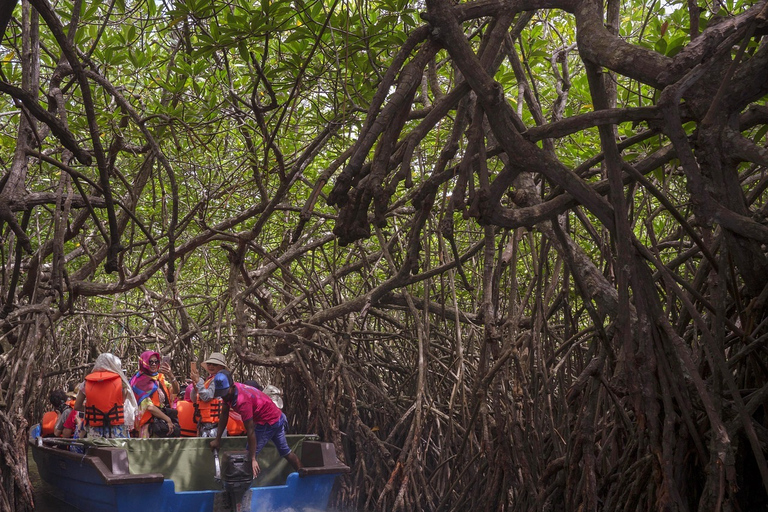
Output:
(45, 501)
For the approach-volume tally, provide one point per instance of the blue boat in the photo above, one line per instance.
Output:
(181, 474)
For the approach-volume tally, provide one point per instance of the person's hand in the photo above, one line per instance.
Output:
(215, 444)
(256, 468)
(165, 369)
(170, 425)
(194, 375)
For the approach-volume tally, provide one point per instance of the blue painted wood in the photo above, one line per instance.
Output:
(80, 482)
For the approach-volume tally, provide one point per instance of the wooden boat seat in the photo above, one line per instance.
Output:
(115, 459)
(320, 458)
(112, 464)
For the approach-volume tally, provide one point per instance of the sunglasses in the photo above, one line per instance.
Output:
(154, 361)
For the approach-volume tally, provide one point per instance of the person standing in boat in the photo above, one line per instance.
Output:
(208, 405)
(153, 394)
(263, 420)
(107, 400)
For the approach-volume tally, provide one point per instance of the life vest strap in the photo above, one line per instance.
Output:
(94, 417)
(188, 433)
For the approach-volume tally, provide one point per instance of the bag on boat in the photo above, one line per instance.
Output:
(159, 428)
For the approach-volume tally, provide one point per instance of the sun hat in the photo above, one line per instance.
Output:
(217, 358)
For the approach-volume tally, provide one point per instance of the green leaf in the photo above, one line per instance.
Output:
(676, 45)
(760, 133)
(242, 49)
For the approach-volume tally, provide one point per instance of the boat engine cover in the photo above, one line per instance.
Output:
(236, 467)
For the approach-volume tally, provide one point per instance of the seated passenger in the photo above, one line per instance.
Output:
(187, 418)
(235, 425)
(188, 391)
(154, 396)
(73, 427)
(107, 400)
(53, 421)
(208, 406)
(254, 384)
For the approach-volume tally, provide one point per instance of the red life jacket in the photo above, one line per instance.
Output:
(48, 423)
(235, 425)
(187, 421)
(156, 399)
(104, 399)
(209, 411)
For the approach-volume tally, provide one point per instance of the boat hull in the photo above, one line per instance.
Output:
(100, 481)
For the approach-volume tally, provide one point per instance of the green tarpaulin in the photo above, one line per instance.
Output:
(189, 461)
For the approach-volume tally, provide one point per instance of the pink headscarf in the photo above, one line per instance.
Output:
(188, 393)
(144, 383)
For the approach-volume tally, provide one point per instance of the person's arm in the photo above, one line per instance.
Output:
(165, 369)
(68, 427)
(194, 377)
(158, 413)
(59, 427)
(205, 394)
(250, 430)
(80, 400)
(223, 419)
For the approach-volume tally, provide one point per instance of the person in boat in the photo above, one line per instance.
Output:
(107, 400)
(187, 414)
(52, 423)
(262, 419)
(271, 391)
(203, 391)
(154, 395)
(73, 427)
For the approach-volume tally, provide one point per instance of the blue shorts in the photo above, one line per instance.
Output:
(274, 433)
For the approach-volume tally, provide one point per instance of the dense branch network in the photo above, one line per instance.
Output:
(526, 249)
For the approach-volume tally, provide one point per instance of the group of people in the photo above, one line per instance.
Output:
(151, 404)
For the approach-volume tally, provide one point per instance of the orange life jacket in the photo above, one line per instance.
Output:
(155, 399)
(187, 421)
(104, 399)
(209, 411)
(48, 423)
(235, 426)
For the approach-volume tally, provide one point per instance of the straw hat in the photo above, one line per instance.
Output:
(217, 358)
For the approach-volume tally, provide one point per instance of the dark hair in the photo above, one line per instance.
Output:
(254, 384)
(58, 398)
